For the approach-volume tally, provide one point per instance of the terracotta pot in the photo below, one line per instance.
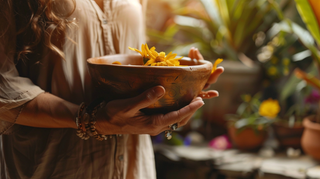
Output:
(247, 139)
(182, 83)
(310, 141)
(288, 136)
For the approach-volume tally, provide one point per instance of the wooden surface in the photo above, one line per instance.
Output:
(233, 164)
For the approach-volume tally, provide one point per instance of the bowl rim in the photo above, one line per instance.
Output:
(203, 63)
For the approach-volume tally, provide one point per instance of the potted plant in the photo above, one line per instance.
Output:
(289, 128)
(248, 128)
(310, 13)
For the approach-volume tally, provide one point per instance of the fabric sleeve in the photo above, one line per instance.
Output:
(14, 90)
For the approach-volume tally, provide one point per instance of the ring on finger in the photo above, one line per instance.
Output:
(174, 126)
(168, 134)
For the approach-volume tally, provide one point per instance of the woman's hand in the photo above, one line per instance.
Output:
(195, 54)
(124, 116)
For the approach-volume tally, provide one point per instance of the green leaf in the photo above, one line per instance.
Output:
(307, 15)
(277, 8)
(304, 36)
(212, 10)
(241, 109)
(241, 123)
(291, 85)
(224, 11)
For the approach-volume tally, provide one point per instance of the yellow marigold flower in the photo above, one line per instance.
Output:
(152, 58)
(162, 60)
(269, 108)
(216, 63)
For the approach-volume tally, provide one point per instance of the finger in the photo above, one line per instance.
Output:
(180, 124)
(206, 86)
(191, 53)
(143, 100)
(184, 121)
(215, 75)
(197, 54)
(176, 116)
(209, 94)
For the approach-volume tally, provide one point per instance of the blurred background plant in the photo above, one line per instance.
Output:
(307, 59)
(249, 127)
(262, 43)
(253, 113)
(232, 29)
(251, 32)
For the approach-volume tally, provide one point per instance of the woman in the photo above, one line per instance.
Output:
(44, 45)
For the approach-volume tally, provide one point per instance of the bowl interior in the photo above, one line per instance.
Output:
(126, 60)
(123, 59)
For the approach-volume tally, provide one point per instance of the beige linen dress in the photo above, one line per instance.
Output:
(39, 153)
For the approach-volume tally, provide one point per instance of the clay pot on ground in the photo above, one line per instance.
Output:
(288, 136)
(247, 139)
(310, 141)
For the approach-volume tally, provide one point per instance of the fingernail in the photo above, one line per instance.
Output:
(158, 91)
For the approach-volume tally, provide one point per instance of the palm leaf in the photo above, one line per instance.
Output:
(304, 36)
(308, 16)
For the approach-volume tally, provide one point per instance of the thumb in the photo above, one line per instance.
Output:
(147, 98)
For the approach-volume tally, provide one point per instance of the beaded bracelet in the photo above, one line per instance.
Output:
(90, 120)
(93, 121)
(86, 115)
(80, 133)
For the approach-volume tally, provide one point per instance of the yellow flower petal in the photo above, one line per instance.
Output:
(171, 55)
(145, 50)
(149, 62)
(134, 49)
(216, 63)
(117, 63)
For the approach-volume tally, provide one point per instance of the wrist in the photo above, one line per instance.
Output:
(103, 124)
(86, 121)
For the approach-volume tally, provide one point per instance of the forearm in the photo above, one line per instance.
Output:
(48, 111)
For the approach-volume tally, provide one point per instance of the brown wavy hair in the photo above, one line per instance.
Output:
(37, 23)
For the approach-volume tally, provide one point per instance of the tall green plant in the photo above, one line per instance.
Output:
(229, 29)
(308, 10)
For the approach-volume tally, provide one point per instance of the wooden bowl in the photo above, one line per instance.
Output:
(182, 83)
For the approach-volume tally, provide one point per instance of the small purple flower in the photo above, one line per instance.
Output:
(158, 139)
(220, 143)
(313, 98)
(187, 141)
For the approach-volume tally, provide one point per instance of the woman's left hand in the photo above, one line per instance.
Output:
(195, 54)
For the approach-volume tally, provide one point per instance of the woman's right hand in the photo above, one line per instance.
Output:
(124, 116)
